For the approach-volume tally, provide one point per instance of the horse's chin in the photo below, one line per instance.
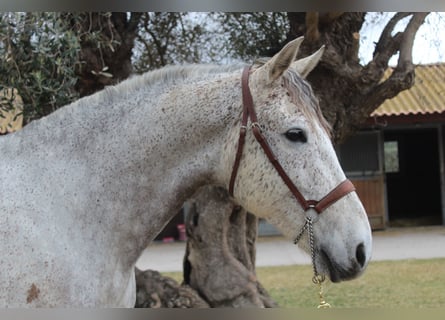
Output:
(337, 272)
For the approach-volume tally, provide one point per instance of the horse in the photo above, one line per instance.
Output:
(85, 189)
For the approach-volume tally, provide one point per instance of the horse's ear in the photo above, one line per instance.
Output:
(283, 59)
(306, 65)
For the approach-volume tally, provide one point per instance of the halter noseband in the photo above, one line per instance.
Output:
(338, 192)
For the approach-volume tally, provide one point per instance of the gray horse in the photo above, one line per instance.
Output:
(84, 190)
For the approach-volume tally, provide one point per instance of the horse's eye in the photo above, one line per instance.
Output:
(296, 135)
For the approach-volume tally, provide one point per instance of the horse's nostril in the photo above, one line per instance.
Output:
(360, 254)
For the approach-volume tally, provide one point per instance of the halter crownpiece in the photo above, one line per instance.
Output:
(319, 206)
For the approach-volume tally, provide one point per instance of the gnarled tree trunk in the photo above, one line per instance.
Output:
(156, 291)
(219, 262)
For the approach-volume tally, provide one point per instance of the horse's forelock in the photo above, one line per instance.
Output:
(301, 94)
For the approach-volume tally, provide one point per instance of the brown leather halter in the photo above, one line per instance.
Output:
(338, 192)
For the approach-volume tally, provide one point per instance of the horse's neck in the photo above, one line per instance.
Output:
(118, 170)
(170, 147)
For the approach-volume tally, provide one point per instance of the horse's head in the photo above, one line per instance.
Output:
(298, 135)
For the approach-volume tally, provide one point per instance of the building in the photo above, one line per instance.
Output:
(397, 160)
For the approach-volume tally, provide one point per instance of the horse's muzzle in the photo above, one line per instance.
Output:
(338, 272)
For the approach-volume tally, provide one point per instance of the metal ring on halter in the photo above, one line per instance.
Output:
(313, 217)
(256, 124)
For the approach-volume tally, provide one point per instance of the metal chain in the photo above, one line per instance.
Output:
(312, 244)
(317, 278)
(297, 239)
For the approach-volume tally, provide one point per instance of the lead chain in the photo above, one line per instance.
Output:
(312, 244)
(317, 278)
(301, 232)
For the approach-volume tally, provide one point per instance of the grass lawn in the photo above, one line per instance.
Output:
(399, 284)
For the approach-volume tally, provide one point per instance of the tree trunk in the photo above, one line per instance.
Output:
(107, 41)
(156, 291)
(219, 262)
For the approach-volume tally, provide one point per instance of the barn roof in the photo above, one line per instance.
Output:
(425, 97)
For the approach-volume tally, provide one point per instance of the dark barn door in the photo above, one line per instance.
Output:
(412, 177)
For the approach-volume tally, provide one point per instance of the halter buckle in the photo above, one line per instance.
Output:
(256, 124)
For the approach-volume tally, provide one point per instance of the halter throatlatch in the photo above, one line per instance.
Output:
(319, 206)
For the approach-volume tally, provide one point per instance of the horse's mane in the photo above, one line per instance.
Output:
(156, 80)
(163, 77)
(299, 90)
(177, 73)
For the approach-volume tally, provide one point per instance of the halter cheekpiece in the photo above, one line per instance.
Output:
(319, 206)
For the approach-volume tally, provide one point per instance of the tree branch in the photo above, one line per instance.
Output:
(388, 45)
(385, 48)
(406, 46)
(402, 77)
(386, 37)
(156, 41)
(329, 17)
(312, 34)
(134, 21)
(352, 52)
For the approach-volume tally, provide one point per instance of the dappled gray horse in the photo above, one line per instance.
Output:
(84, 190)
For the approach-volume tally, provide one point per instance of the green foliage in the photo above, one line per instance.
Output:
(38, 58)
(41, 54)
